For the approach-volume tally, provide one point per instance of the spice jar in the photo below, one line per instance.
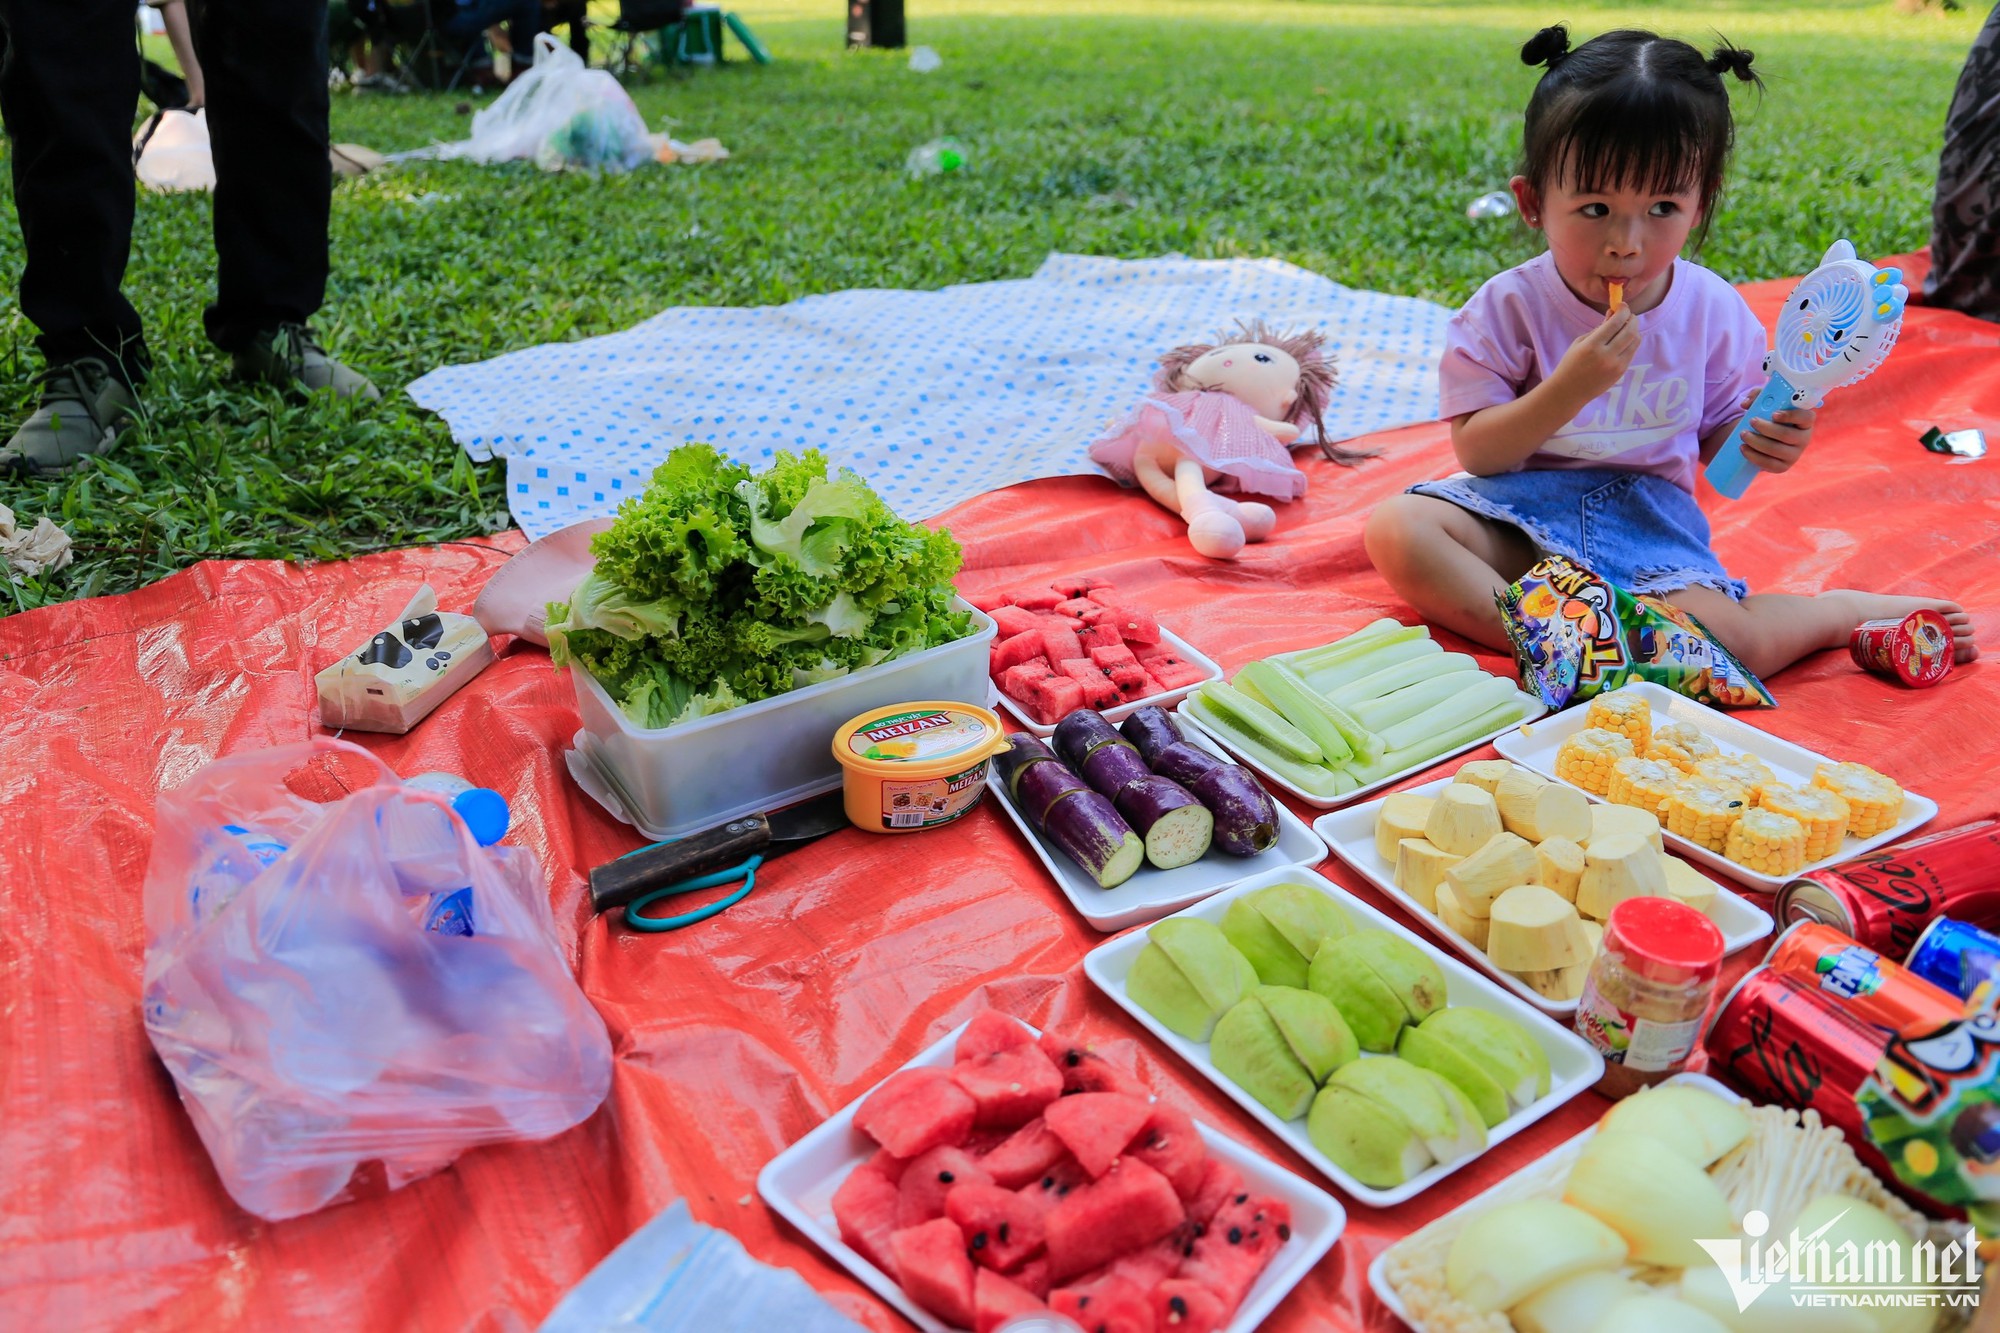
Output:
(1647, 991)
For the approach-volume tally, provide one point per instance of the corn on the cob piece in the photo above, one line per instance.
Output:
(1821, 812)
(1767, 842)
(1874, 802)
(1681, 744)
(1585, 759)
(1746, 771)
(1641, 782)
(1703, 812)
(1625, 713)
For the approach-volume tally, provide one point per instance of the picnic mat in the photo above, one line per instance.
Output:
(736, 1037)
(934, 396)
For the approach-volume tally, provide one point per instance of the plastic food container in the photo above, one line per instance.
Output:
(668, 782)
(915, 766)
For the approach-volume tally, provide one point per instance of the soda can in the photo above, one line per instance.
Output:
(1915, 650)
(1782, 1042)
(1862, 983)
(1885, 898)
(1956, 956)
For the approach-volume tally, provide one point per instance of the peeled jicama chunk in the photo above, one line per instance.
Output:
(1518, 1248)
(1656, 1199)
(1697, 1125)
(1575, 1304)
(1656, 1314)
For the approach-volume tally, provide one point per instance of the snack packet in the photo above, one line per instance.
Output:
(1932, 1108)
(1576, 635)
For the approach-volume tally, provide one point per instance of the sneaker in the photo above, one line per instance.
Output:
(84, 410)
(290, 357)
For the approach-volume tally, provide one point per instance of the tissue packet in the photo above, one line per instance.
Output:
(412, 665)
(1576, 636)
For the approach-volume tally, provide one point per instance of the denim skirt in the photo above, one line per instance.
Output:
(1641, 532)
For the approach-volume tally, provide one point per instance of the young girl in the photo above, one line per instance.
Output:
(1583, 426)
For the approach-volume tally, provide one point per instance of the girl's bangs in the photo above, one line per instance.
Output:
(1659, 145)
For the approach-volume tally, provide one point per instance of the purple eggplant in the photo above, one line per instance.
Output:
(1041, 784)
(1151, 729)
(1080, 733)
(1113, 767)
(1022, 751)
(1246, 818)
(1091, 833)
(1184, 762)
(1177, 827)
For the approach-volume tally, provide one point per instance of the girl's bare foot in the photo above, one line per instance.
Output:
(1885, 606)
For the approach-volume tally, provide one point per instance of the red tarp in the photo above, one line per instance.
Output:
(736, 1037)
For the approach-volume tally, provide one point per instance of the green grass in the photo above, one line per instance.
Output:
(1343, 137)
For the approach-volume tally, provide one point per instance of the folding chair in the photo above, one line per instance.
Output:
(637, 18)
(413, 25)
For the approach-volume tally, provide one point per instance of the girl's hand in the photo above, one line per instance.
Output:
(1775, 444)
(1600, 358)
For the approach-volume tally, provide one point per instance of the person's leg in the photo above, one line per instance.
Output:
(1769, 631)
(1448, 562)
(1965, 212)
(69, 87)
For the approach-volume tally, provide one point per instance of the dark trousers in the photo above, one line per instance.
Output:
(69, 88)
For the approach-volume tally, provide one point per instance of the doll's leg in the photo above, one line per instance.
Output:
(1770, 631)
(1257, 519)
(1213, 528)
(1448, 562)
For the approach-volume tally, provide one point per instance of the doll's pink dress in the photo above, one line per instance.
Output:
(1217, 428)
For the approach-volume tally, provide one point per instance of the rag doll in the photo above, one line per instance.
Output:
(1223, 414)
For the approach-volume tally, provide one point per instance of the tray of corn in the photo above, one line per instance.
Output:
(1734, 798)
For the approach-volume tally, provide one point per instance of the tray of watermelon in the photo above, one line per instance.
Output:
(1078, 643)
(1007, 1171)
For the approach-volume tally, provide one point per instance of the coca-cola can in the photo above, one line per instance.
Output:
(1885, 898)
(1781, 1042)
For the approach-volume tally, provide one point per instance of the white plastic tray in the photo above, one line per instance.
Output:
(800, 1181)
(1534, 746)
(1573, 1066)
(1534, 706)
(1165, 699)
(1151, 894)
(1378, 1272)
(1350, 835)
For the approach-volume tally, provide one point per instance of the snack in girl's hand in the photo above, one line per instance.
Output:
(1586, 388)
(1225, 414)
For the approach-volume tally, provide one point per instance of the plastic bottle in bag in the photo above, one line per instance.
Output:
(1498, 204)
(939, 157)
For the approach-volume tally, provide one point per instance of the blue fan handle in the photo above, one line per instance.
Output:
(1729, 471)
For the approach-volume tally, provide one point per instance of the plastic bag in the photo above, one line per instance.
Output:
(176, 155)
(351, 981)
(1576, 636)
(561, 114)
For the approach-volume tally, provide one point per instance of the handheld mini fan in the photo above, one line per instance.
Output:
(1835, 327)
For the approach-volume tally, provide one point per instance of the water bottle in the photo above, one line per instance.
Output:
(238, 855)
(447, 910)
(1498, 204)
(939, 157)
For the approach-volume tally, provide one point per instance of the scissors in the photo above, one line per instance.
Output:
(638, 879)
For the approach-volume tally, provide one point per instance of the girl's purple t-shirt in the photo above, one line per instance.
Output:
(1700, 352)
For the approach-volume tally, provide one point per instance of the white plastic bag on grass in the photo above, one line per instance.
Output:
(559, 114)
(176, 155)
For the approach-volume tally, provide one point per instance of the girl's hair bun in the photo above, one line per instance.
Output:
(1548, 47)
(1733, 60)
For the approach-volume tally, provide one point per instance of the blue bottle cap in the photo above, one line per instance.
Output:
(484, 812)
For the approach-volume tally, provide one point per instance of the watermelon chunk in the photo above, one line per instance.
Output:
(932, 1176)
(1075, 608)
(1025, 1156)
(1180, 1306)
(1097, 1126)
(1037, 598)
(988, 1031)
(1012, 652)
(1095, 636)
(1169, 1143)
(1113, 657)
(1084, 1070)
(1002, 1229)
(1009, 1088)
(995, 1300)
(1128, 1206)
(1033, 1277)
(1060, 644)
(1170, 668)
(916, 1110)
(1130, 678)
(1109, 1305)
(934, 1269)
(1132, 626)
(1098, 691)
(864, 1207)
(1018, 682)
(1013, 620)
(1055, 698)
(1220, 1182)
(1077, 585)
(1147, 688)
(1148, 1267)
(1241, 1238)
(1055, 1184)
(989, 602)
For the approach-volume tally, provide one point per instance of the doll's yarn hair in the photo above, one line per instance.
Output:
(1316, 376)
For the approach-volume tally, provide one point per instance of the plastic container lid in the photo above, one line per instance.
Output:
(1664, 940)
(927, 739)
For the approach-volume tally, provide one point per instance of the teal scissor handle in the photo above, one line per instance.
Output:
(657, 924)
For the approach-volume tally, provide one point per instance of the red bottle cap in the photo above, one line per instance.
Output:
(1664, 940)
